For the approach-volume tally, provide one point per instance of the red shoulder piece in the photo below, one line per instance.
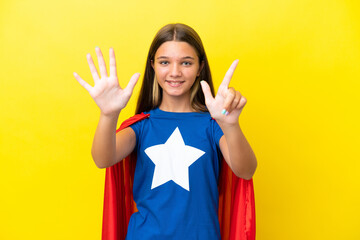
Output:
(236, 199)
(132, 120)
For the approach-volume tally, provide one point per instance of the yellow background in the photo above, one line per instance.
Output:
(299, 70)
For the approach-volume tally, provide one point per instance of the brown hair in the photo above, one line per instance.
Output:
(151, 94)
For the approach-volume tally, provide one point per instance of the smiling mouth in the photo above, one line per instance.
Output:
(174, 83)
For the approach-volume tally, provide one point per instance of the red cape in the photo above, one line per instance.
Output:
(236, 199)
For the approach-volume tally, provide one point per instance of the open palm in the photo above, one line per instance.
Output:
(107, 93)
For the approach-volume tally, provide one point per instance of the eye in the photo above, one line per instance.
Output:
(187, 63)
(164, 62)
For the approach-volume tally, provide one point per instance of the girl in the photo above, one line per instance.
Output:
(180, 144)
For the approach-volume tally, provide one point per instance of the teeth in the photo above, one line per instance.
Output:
(175, 83)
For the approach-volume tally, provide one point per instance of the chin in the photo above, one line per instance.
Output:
(176, 93)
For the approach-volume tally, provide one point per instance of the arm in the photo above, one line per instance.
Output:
(225, 108)
(108, 147)
(237, 152)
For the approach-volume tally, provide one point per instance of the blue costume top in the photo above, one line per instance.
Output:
(176, 176)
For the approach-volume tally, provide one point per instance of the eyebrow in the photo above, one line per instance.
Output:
(187, 57)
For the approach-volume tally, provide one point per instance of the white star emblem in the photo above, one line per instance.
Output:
(172, 160)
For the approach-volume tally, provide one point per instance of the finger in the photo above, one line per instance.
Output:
(241, 103)
(229, 74)
(133, 80)
(229, 98)
(82, 82)
(93, 70)
(236, 101)
(207, 92)
(112, 63)
(101, 61)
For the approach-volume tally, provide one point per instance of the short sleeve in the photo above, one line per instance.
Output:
(136, 127)
(217, 133)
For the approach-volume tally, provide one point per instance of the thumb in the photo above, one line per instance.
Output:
(133, 80)
(207, 92)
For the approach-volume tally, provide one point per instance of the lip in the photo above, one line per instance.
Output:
(173, 83)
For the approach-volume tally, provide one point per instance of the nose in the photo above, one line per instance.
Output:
(175, 70)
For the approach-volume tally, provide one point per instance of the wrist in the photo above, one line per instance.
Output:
(229, 126)
(110, 116)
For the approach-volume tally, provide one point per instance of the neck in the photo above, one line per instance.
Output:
(171, 104)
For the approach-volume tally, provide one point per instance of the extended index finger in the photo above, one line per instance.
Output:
(93, 70)
(229, 74)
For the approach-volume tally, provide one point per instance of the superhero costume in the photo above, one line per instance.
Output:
(236, 210)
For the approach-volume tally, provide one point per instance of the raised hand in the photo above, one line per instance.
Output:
(107, 93)
(228, 103)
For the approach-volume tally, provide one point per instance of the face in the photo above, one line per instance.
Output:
(176, 67)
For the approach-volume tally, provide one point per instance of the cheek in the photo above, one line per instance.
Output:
(192, 73)
(160, 72)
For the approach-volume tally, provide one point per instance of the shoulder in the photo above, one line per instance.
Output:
(130, 121)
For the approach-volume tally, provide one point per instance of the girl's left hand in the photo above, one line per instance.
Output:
(228, 103)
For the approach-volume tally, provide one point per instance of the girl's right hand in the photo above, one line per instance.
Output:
(107, 93)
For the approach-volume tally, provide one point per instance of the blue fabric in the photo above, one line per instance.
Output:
(169, 210)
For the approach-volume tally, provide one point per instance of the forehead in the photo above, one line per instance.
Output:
(174, 49)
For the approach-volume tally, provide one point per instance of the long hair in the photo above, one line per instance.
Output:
(150, 95)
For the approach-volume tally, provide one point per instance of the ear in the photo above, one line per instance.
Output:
(152, 64)
(200, 68)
